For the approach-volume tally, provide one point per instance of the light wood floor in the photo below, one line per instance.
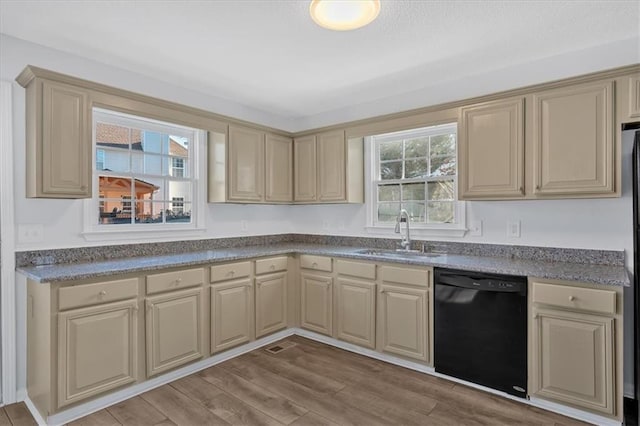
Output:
(310, 383)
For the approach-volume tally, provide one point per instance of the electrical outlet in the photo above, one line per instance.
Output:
(475, 229)
(513, 229)
(30, 233)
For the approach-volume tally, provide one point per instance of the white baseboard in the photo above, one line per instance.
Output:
(115, 397)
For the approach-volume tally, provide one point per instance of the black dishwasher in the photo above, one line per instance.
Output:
(481, 329)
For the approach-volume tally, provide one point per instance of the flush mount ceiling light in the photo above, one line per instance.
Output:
(344, 15)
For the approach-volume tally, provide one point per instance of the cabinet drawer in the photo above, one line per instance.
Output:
(317, 263)
(272, 264)
(92, 294)
(411, 276)
(174, 280)
(356, 269)
(230, 271)
(587, 299)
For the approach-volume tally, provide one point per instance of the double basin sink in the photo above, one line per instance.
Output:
(399, 254)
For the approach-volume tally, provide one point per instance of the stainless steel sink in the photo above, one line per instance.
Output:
(398, 254)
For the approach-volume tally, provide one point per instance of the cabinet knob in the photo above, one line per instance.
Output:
(272, 267)
(572, 298)
(102, 293)
(135, 308)
(522, 189)
(232, 273)
(259, 283)
(314, 264)
(537, 187)
(535, 316)
(178, 281)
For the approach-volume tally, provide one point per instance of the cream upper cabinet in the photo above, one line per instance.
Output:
(634, 96)
(278, 169)
(573, 140)
(174, 325)
(331, 152)
(403, 321)
(59, 146)
(356, 311)
(271, 303)
(574, 359)
(491, 148)
(317, 303)
(97, 350)
(304, 166)
(245, 170)
(231, 314)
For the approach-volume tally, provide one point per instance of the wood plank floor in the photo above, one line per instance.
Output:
(310, 383)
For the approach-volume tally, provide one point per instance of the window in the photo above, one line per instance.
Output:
(416, 170)
(144, 173)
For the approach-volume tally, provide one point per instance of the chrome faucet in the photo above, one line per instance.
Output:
(405, 243)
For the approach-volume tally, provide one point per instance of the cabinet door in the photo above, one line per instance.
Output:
(231, 314)
(491, 148)
(404, 321)
(279, 169)
(574, 140)
(356, 306)
(271, 303)
(97, 350)
(332, 167)
(634, 96)
(317, 309)
(573, 359)
(65, 149)
(174, 330)
(304, 166)
(246, 164)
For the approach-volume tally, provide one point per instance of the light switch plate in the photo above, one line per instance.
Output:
(475, 229)
(513, 229)
(30, 233)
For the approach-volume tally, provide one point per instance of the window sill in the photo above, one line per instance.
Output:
(137, 234)
(419, 232)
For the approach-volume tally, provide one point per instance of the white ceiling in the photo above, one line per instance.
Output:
(270, 55)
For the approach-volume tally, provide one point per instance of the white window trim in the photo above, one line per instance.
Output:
(92, 231)
(456, 230)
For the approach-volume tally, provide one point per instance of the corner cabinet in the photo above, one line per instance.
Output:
(491, 147)
(573, 140)
(575, 346)
(328, 168)
(58, 139)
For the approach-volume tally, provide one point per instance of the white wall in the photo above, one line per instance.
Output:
(599, 224)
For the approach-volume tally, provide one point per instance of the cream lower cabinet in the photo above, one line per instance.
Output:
(174, 328)
(231, 314)
(97, 350)
(317, 302)
(271, 303)
(573, 354)
(405, 305)
(355, 311)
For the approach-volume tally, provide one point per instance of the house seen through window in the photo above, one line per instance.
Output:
(143, 171)
(416, 170)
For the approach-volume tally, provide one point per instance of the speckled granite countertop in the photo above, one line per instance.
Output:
(591, 273)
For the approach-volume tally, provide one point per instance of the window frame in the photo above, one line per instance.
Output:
(93, 230)
(372, 181)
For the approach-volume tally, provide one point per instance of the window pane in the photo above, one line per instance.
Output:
(390, 150)
(112, 136)
(416, 168)
(114, 187)
(154, 142)
(178, 146)
(443, 144)
(413, 191)
(416, 210)
(112, 160)
(114, 211)
(389, 193)
(391, 170)
(181, 190)
(147, 164)
(443, 166)
(179, 212)
(177, 166)
(148, 212)
(149, 189)
(442, 190)
(441, 211)
(387, 212)
(416, 148)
